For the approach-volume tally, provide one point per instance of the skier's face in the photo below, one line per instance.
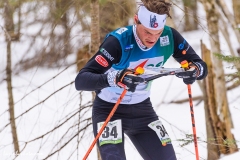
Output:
(147, 36)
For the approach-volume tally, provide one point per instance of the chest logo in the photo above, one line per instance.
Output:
(164, 41)
(147, 63)
(141, 64)
(128, 48)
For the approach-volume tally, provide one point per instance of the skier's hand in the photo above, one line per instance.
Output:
(191, 73)
(125, 78)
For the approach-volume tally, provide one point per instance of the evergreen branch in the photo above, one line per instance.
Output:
(227, 58)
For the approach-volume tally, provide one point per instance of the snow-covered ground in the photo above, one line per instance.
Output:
(50, 113)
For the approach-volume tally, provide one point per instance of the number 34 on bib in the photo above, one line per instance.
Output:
(158, 127)
(112, 133)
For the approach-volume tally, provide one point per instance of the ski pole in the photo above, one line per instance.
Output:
(105, 123)
(193, 121)
(184, 64)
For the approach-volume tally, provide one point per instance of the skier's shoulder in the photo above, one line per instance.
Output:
(122, 32)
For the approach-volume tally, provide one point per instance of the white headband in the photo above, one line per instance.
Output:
(151, 20)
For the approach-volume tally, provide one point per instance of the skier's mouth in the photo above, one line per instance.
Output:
(150, 42)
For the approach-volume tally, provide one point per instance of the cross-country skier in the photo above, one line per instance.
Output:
(148, 43)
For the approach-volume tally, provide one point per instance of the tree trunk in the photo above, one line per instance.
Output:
(121, 10)
(9, 25)
(102, 23)
(230, 17)
(170, 21)
(210, 108)
(236, 11)
(95, 34)
(83, 56)
(95, 39)
(224, 126)
(19, 19)
(225, 33)
(10, 99)
(191, 20)
(62, 7)
(8, 19)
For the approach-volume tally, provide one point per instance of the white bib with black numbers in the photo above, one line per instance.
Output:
(158, 127)
(112, 134)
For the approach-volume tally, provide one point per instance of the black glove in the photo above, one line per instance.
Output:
(124, 79)
(190, 75)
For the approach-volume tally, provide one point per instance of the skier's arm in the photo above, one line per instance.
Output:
(183, 51)
(91, 77)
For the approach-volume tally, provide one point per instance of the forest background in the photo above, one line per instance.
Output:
(44, 43)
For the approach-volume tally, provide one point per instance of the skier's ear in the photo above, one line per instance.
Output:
(136, 19)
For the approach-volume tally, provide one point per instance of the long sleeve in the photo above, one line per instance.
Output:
(91, 77)
(183, 51)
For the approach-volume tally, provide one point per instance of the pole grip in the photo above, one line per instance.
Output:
(184, 64)
(139, 70)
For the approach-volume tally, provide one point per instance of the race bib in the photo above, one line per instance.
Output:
(112, 134)
(158, 127)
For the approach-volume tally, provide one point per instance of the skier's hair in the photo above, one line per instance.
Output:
(157, 6)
